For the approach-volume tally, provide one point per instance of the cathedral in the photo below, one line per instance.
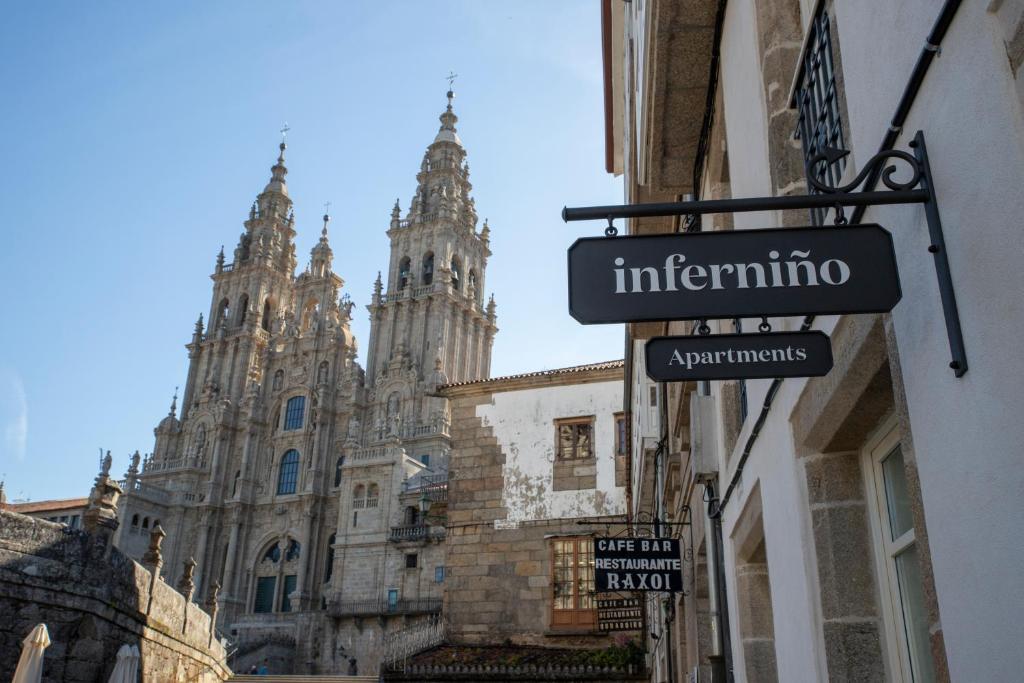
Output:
(305, 491)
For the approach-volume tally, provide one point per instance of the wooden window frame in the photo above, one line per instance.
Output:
(587, 420)
(579, 617)
(902, 661)
(621, 433)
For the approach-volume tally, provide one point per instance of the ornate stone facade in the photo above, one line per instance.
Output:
(311, 490)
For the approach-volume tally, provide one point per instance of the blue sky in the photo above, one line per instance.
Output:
(138, 134)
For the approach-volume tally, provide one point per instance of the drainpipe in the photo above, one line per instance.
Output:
(721, 660)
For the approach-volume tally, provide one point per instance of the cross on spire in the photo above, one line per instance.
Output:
(284, 131)
(451, 82)
(327, 207)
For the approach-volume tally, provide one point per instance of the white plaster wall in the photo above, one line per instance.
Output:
(524, 424)
(967, 432)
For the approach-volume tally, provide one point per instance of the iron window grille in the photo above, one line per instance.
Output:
(293, 413)
(816, 97)
(288, 476)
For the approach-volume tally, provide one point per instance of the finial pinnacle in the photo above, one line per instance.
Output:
(174, 403)
(451, 82)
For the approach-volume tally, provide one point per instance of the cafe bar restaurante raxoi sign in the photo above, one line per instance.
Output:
(637, 564)
(734, 274)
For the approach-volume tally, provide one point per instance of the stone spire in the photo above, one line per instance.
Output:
(321, 254)
(277, 173)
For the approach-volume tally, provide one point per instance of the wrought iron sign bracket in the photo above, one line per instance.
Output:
(919, 189)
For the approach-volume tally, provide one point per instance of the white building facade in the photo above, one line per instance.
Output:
(864, 525)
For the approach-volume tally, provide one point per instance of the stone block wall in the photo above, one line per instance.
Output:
(93, 600)
(498, 586)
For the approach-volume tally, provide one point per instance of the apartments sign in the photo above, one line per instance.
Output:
(739, 356)
(637, 564)
(734, 274)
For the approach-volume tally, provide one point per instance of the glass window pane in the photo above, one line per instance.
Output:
(583, 441)
(287, 589)
(897, 499)
(264, 594)
(565, 441)
(914, 615)
(294, 412)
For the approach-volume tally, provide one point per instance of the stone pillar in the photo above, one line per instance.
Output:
(757, 632)
(232, 557)
(211, 608)
(100, 516)
(301, 596)
(204, 535)
(187, 589)
(153, 561)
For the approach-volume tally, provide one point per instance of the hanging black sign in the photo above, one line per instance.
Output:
(734, 274)
(739, 356)
(619, 614)
(637, 564)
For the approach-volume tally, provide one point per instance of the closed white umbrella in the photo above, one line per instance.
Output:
(30, 664)
(127, 668)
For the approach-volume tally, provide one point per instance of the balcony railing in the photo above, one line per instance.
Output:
(361, 608)
(412, 430)
(415, 532)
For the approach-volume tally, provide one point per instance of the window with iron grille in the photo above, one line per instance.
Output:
(816, 97)
(288, 475)
(293, 412)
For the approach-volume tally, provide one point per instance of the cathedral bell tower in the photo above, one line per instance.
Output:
(429, 322)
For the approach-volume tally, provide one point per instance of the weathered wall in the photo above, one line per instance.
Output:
(92, 605)
(499, 565)
(523, 422)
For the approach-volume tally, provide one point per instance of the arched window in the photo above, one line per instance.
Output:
(268, 311)
(288, 475)
(293, 413)
(223, 311)
(278, 380)
(273, 554)
(337, 470)
(359, 496)
(135, 520)
(403, 273)
(428, 269)
(293, 551)
(243, 309)
(372, 496)
(456, 274)
(329, 569)
(322, 372)
(145, 522)
(234, 487)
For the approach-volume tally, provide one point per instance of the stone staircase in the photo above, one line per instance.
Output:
(272, 678)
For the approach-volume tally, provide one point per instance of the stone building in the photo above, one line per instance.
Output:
(862, 525)
(537, 470)
(93, 599)
(297, 478)
(63, 511)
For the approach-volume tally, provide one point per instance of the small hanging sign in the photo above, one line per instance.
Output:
(739, 356)
(734, 274)
(637, 564)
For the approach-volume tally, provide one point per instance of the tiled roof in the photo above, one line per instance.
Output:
(607, 365)
(47, 505)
